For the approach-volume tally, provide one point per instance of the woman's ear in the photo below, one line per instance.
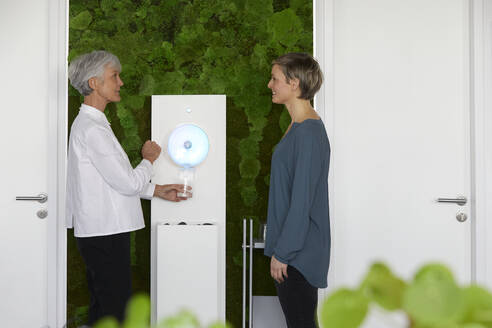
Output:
(294, 83)
(92, 83)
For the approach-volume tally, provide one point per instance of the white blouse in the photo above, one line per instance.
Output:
(103, 189)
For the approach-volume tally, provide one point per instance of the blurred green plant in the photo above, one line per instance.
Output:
(138, 316)
(431, 300)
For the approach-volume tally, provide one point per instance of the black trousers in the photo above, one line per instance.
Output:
(298, 299)
(107, 261)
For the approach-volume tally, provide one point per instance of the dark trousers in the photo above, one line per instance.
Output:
(107, 261)
(298, 299)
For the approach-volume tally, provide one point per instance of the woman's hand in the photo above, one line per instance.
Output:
(151, 151)
(278, 270)
(170, 192)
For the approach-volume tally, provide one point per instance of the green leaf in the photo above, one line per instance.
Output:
(434, 272)
(183, 319)
(473, 325)
(433, 298)
(107, 322)
(81, 21)
(138, 312)
(345, 308)
(453, 325)
(478, 305)
(382, 287)
(220, 325)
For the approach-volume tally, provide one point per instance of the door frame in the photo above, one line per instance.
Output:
(481, 81)
(57, 154)
(481, 122)
(323, 51)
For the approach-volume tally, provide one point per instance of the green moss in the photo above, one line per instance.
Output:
(249, 168)
(147, 85)
(81, 21)
(248, 146)
(284, 121)
(249, 195)
(284, 26)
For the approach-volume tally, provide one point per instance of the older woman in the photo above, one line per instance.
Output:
(103, 189)
(298, 225)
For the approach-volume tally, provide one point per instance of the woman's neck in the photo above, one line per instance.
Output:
(300, 110)
(95, 101)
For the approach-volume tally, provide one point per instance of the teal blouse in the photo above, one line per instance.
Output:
(298, 222)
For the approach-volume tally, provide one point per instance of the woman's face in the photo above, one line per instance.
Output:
(282, 91)
(109, 86)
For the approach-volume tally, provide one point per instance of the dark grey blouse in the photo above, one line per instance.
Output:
(298, 223)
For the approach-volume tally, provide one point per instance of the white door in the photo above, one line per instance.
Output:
(400, 136)
(28, 144)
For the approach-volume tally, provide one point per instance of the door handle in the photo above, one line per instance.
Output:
(42, 198)
(461, 200)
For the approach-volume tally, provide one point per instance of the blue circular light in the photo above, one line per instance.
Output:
(188, 145)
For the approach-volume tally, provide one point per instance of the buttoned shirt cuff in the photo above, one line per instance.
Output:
(148, 191)
(147, 164)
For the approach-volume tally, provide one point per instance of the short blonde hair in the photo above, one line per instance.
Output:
(305, 68)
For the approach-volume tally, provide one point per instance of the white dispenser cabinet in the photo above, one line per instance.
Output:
(187, 270)
(188, 261)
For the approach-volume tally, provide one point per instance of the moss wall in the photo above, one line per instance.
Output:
(194, 47)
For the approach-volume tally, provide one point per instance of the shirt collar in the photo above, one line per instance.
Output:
(94, 113)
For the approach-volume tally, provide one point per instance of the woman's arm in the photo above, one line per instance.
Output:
(307, 170)
(114, 167)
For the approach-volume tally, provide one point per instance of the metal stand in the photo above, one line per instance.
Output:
(252, 245)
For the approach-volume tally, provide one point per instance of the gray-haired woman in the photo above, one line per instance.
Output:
(298, 224)
(103, 189)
